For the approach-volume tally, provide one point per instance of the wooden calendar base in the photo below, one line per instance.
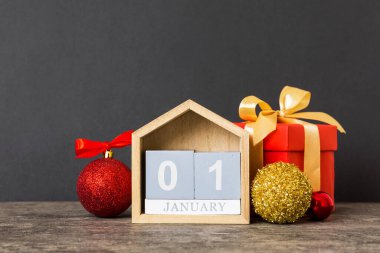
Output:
(192, 206)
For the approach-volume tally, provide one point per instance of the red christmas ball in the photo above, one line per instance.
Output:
(321, 206)
(104, 187)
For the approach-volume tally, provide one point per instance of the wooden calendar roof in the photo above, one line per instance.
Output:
(181, 109)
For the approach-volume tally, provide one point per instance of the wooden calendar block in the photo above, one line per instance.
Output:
(217, 175)
(169, 175)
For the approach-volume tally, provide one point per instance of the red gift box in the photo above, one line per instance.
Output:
(287, 144)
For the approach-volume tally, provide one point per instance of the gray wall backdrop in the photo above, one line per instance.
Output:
(93, 69)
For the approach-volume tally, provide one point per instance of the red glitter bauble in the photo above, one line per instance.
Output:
(104, 187)
(321, 206)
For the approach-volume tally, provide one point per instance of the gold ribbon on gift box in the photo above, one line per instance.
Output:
(292, 100)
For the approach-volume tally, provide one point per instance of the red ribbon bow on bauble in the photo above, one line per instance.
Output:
(85, 148)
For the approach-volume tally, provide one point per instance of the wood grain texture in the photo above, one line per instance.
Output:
(67, 227)
(189, 126)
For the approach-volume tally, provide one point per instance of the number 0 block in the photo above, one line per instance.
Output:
(217, 175)
(169, 175)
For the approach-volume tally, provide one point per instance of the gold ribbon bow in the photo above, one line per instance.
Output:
(291, 101)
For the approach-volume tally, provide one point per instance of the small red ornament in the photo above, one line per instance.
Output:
(321, 206)
(104, 185)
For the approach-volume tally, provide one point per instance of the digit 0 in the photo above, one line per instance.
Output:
(173, 175)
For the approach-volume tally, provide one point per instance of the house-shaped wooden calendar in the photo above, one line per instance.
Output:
(190, 165)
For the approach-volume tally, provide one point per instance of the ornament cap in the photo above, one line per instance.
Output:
(108, 154)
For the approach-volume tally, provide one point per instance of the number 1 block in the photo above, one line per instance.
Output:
(217, 175)
(169, 174)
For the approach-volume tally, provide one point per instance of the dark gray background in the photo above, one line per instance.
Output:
(93, 69)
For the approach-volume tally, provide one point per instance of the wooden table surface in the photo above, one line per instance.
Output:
(67, 227)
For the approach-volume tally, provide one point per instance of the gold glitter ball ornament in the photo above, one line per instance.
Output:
(281, 193)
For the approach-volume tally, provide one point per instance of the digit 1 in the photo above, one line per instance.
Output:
(173, 175)
(217, 166)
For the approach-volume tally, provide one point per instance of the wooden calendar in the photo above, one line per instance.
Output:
(190, 166)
